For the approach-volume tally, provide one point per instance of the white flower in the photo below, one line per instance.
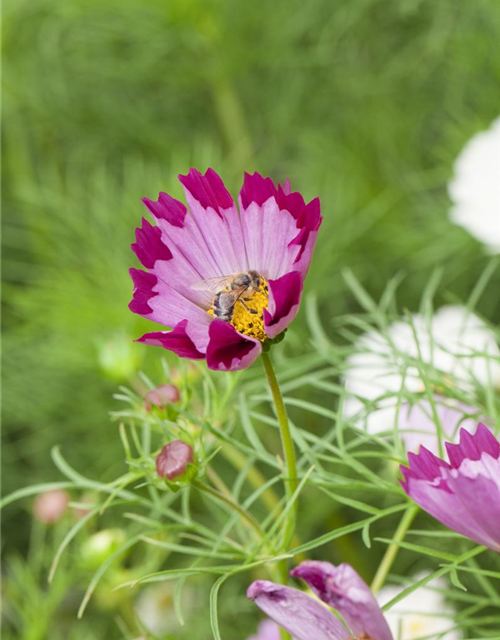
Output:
(475, 187)
(423, 614)
(455, 342)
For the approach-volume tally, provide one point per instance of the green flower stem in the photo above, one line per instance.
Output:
(290, 463)
(392, 549)
(245, 516)
(286, 442)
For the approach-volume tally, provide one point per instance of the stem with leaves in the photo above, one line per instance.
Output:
(290, 463)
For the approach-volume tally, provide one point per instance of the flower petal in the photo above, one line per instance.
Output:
(149, 247)
(256, 195)
(208, 190)
(309, 222)
(217, 220)
(424, 465)
(143, 291)
(444, 505)
(186, 236)
(284, 302)
(268, 232)
(256, 189)
(268, 630)
(156, 300)
(298, 613)
(344, 590)
(228, 350)
(166, 208)
(480, 497)
(176, 340)
(169, 263)
(473, 446)
(474, 187)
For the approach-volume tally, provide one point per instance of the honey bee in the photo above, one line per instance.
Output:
(228, 290)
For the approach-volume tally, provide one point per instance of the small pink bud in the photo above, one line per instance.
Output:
(173, 459)
(162, 396)
(50, 506)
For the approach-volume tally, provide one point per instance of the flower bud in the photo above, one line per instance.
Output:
(49, 507)
(100, 546)
(174, 459)
(162, 396)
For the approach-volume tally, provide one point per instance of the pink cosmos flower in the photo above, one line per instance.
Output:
(192, 256)
(463, 494)
(305, 618)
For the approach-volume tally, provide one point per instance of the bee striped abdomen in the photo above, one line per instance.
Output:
(222, 311)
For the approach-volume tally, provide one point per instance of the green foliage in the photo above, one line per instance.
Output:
(197, 537)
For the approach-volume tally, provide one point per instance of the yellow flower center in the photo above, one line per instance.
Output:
(248, 313)
(248, 323)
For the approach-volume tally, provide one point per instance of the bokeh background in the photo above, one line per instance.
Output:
(365, 103)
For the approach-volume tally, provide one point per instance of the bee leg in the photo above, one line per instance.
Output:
(253, 311)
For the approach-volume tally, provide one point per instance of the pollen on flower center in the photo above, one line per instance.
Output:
(248, 323)
(248, 314)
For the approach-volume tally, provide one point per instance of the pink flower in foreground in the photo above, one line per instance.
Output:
(463, 494)
(224, 280)
(305, 618)
(49, 507)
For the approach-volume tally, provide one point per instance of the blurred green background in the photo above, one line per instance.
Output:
(365, 103)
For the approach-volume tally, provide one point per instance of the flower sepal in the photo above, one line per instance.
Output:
(183, 480)
(266, 346)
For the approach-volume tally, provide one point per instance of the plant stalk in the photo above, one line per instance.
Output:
(290, 463)
(286, 442)
(392, 549)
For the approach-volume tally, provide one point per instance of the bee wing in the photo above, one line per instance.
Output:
(234, 294)
(212, 284)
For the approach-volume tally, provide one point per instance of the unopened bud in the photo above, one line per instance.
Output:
(162, 396)
(174, 459)
(101, 545)
(49, 507)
